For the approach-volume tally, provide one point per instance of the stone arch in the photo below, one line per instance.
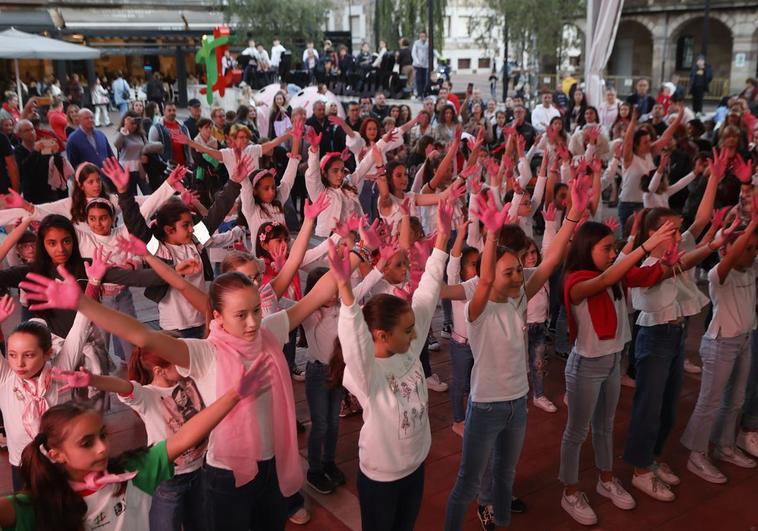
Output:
(632, 55)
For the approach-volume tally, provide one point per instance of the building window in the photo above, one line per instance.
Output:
(685, 52)
(484, 63)
(464, 64)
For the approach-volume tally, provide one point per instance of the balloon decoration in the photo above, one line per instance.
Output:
(210, 54)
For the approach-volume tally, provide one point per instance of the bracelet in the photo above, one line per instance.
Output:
(94, 282)
(642, 246)
(571, 220)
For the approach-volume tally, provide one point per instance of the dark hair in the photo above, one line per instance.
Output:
(389, 169)
(233, 259)
(168, 215)
(27, 236)
(56, 506)
(531, 242)
(40, 332)
(269, 231)
(137, 118)
(265, 206)
(594, 109)
(203, 122)
(78, 199)
(652, 219)
(151, 108)
(142, 361)
(638, 134)
(224, 283)
(43, 264)
(579, 256)
(382, 311)
(513, 237)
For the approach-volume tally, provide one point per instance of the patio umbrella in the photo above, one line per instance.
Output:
(17, 45)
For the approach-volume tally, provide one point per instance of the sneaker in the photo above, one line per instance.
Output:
(486, 518)
(616, 493)
(748, 441)
(517, 506)
(732, 454)
(665, 474)
(579, 508)
(298, 374)
(691, 367)
(628, 381)
(431, 342)
(653, 487)
(334, 473)
(700, 465)
(435, 384)
(320, 482)
(458, 428)
(447, 331)
(301, 517)
(545, 404)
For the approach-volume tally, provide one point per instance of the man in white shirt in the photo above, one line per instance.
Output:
(420, 55)
(276, 54)
(542, 114)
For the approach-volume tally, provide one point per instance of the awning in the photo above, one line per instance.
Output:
(136, 21)
(26, 19)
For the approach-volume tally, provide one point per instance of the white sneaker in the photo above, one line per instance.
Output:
(616, 493)
(653, 487)
(748, 441)
(579, 508)
(545, 404)
(301, 517)
(665, 474)
(700, 465)
(691, 367)
(732, 454)
(435, 384)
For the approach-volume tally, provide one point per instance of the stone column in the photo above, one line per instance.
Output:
(181, 76)
(743, 49)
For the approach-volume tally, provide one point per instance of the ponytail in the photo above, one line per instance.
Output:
(141, 365)
(336, 366)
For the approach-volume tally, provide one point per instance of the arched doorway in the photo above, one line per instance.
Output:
(685, 44)
(632, 55)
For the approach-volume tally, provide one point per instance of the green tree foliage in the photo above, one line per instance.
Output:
(405, 18)
(293, 21)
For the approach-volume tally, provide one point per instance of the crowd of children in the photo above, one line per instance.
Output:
(359, 285)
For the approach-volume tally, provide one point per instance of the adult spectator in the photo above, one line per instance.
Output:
(41, 180)
(365, 105)
(321, 125)
(447, 92)
(521, 126)
(750, 94)
(420, 56)
(701, 75)
(641, 99)
(57, 118)
(310, 57)
(276, 54)
(10, 106)
(575, 113)
(354, 119)
(74, 90)
(248, 60)
(542, 114)
(130, 143)
(196, 112)
(173, 151)
(609, 109)
(345, 65)
(676, 106)
(380, 110)
(72, 117)
(657, 119)
(227, 62)
(8, 168)
(87, 144)
(218, 116)
(404, 58)
(155, 91)
(122, 93)
(101, 100)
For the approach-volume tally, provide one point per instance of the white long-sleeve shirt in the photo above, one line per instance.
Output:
(395, 437)
(542, 115)
(257, 216)
(652, 198)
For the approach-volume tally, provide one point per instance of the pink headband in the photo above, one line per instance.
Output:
(328, 158)
(261, 174)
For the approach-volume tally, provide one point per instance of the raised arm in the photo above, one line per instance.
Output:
(738, 249)
(705, 208)
(10, 241)
(668, 134)
(181, 138)
(629, 138)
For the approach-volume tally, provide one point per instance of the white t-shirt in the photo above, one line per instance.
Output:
(164, 410)
(657, 304)
(174, 311)
(498, 343)
(202, 369)
(587, 344)
(230, 160)
(631, 189)
(460, 329)
(733, 303)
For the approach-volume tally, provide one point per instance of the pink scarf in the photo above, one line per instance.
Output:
(236, 440)
(35, 403)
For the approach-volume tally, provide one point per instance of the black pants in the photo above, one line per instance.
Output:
(17, 479)
(391, 505)
(697, 99)
(256, 506)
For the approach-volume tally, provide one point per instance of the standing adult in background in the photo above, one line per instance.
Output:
(276, 54)
(196, 112)
(641, 99)
(155, 92)
(41, 181)
(173, 151)
(101, 100)
(542, 114)
(87, 144)
(701, 75)
(420, 56)
(57, 118)
(608, 110)
(8, 168)
(74, 90)
(404, 59)
(121, 93)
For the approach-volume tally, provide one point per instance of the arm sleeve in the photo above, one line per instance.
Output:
(365, 286)
(524, 172)
(549, 235)
(288, 180)
(315, 254)
(136, 399)
(609, 174)
(454, 270)
(357, 348)
(149, 204)
(425, 298)
(680, 184)
(654, 182)
(539, 192)
(61, 206)
(313, 183)
(69, 355)
(133, 218)
(418, 179)
(133, 277)
(221, 206)
(152, 467)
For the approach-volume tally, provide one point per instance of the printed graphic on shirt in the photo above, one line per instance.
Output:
(412, 401)
(182, 404)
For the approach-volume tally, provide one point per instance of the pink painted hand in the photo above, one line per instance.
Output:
(298, 128)
(743, 170)
(245, 166)
(672, 255)
(405, 206)
(445, 216)
(189, 197)
(178, 137)
(581, 192)
(176, 177)
(612, 222)
(256, 379)
(313, 139)
(190, 266)
(96, 269)
(278, 251)
(476, 186)
(389, 136)
(456, 190)
(472, 170)
(488, 213)
(596, 165)
(591, 135)
(118, 175)
(548, 214)
(312, 210)
(491, 165)
(718, 165)
(336, 120)
(733, 226)
(71, 379)
(13, 199)
(402, 293)
(341, 229)
(386, 252)
(356, 221)
(339, 265)
(52, 294)
(717, 220)
(7, 307)
(370, 236)
(563, 152)
(131, 245)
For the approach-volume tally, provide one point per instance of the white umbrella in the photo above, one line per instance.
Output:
(17, 45)
(310, 95)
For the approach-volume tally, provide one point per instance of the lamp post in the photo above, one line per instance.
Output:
(430, 9)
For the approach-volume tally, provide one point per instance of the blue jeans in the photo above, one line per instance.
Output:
(750, 409)
(290, 350)
(255, 506)
(124, 303)
(419, 80)
(537, 333)
(136, 181)
(726, 367)
(179, 503)
(324, 405)
(592, 387)
(461, 361)
(390, 505)
(626, 209)
(496, 428)
(659, 363)
(122, 108)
